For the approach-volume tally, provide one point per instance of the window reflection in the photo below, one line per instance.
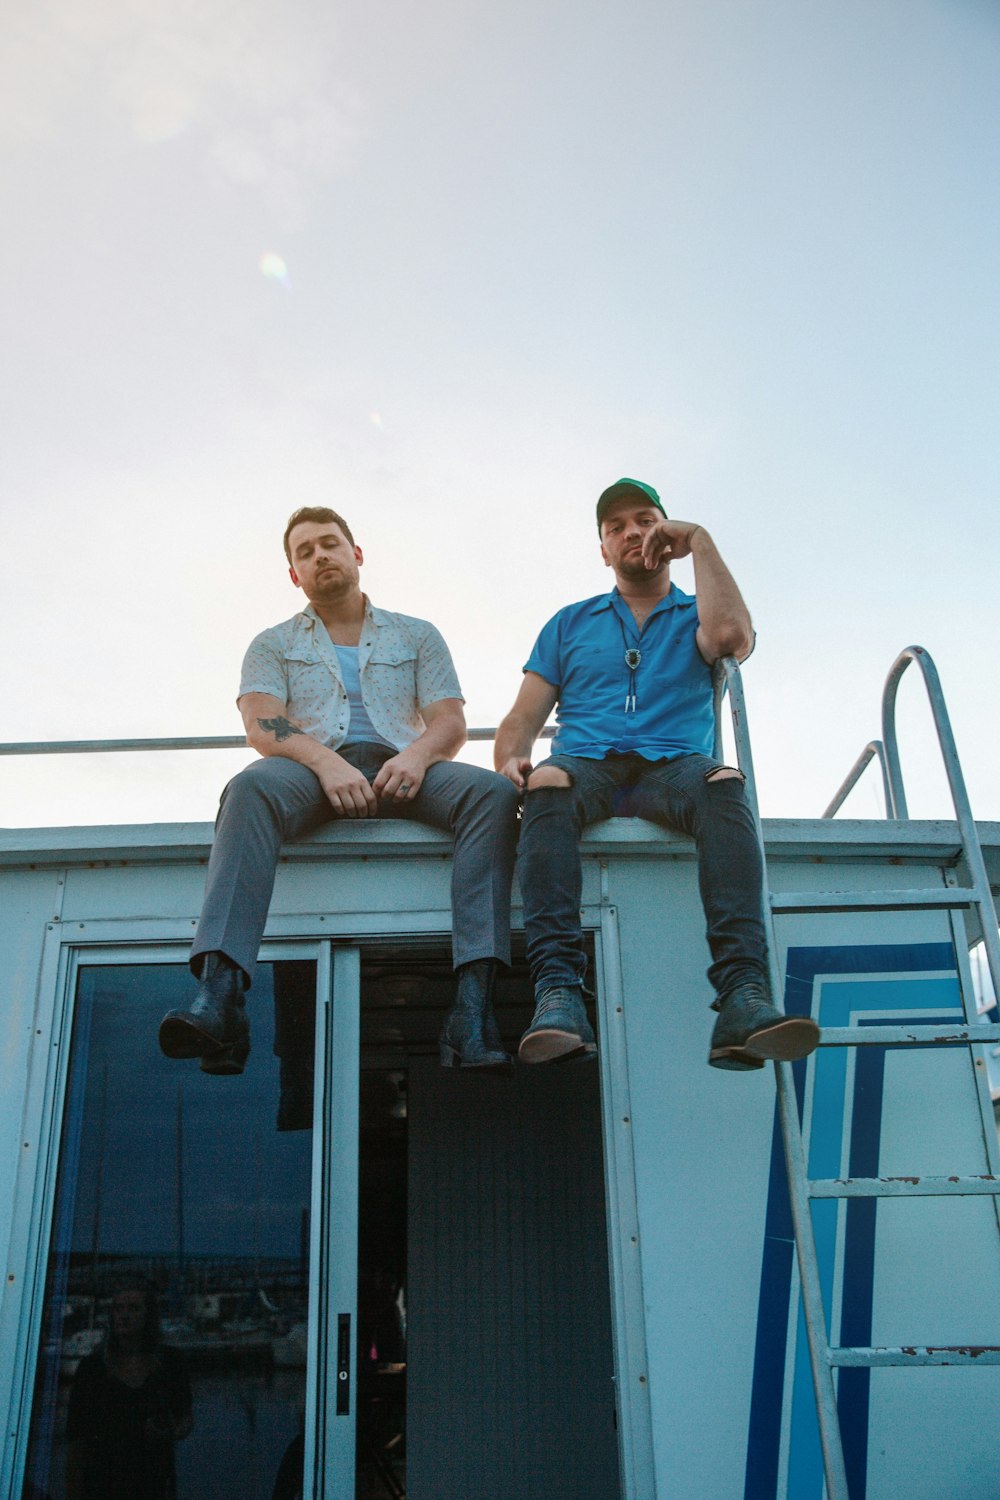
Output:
(174, 1329)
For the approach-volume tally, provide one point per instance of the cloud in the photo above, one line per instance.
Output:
(265, 86)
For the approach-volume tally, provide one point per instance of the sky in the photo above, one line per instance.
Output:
(452, 269)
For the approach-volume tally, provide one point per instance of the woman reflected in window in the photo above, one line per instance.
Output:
(129, 1404)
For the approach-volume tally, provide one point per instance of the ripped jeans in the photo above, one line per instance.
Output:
(676, 793)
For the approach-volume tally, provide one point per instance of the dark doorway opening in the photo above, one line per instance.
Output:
(484, 1318)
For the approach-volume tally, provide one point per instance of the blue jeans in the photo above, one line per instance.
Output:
(276, 799)
(676, 793)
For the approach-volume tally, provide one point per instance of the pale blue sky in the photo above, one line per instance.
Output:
(746, 250)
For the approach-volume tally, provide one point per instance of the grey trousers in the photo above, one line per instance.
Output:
(276, 799)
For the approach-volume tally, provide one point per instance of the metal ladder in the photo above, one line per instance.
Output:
(824, 1357)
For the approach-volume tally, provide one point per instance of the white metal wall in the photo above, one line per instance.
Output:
(699, 1140)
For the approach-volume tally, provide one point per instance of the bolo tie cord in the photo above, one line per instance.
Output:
(633, 656)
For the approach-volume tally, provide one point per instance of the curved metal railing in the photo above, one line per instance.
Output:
(872, 749)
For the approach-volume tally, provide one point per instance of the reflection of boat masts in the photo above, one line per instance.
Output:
(180, 1191)
(256, 1204)
(95, 1235)
(304, 1224)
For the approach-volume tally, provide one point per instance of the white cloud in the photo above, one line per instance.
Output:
(264, 85)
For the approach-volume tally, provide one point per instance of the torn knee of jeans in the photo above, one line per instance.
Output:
(725, 773)
(549, 779)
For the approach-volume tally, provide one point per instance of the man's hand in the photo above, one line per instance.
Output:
(517, 769)
(401, 777)
(347, 791)
(668, 540)
(521, 728)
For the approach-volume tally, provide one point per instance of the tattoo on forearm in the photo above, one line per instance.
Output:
(280, 728)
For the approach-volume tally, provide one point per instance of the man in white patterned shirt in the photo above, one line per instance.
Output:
(356, 713)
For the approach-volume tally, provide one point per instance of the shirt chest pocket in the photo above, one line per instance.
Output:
(391, 673)
(310, 678)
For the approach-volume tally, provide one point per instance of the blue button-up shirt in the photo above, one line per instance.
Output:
(581, 652)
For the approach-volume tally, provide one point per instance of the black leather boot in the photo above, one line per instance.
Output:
(559, 1028)
(750, 1031)
(215, 1028)
(470, 1037)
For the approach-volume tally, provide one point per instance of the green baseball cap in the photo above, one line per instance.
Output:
(627, 489)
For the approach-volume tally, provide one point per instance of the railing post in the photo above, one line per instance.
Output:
(971, 847)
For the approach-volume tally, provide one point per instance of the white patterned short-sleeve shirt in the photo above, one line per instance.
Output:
(404, 666)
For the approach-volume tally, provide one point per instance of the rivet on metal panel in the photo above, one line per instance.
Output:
(625, 1119)
(10, 1276)
(642, 1380)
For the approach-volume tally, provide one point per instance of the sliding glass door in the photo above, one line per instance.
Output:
(179, 1344)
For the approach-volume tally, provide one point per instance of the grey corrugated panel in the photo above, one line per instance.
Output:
(510, 1367)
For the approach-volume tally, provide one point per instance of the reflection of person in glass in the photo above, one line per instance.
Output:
(356, 712)
(129, 1403)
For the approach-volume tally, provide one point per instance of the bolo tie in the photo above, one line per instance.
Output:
(633, 656)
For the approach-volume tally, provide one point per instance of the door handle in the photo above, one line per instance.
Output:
(343, 1406)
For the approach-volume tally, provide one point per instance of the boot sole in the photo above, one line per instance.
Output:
(227, 1062)
(180, 1038)
(183, 1040)
(553, 1046)
(786, 1041)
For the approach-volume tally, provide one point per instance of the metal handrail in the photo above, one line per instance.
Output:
(186, 742)
(887, 748)
(872, 749)
(971, 847)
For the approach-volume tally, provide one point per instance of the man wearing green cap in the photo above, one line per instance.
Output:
(630, 674)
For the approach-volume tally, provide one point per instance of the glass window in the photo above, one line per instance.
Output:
(173, 1349)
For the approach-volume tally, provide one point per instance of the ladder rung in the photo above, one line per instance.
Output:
(902, 1036)
(938, 899)
(902, 1187)
(929, 1354)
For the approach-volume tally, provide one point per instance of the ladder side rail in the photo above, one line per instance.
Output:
(971, 847)
(791, 1133)
(718, 693)
(874, 748)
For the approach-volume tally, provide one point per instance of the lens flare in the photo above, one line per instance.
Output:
(273, 267)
